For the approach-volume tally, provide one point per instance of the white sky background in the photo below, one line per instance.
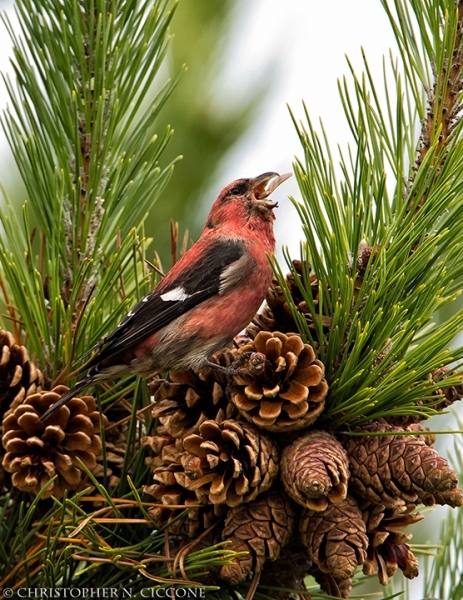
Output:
(304, 42)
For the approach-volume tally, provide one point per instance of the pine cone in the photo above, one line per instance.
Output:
(228, 462)
(19, 377)
(116, 442)
(327, 583)
(35, 451)
(365, 254)
(399, 469)
(193, 396)
(280, 308)
(446, 395)
(388, 548)
(156, 443)
(335, 538)
(428, 438)
(167, 491)
(287, 390)
(288, 571)
(315, 470)
(261, 528)
(263, 321)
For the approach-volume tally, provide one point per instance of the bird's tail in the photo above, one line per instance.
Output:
(74, 391)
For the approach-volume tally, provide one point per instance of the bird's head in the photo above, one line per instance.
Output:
(244, 201)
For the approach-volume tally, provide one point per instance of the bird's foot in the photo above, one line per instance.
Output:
(233, 370)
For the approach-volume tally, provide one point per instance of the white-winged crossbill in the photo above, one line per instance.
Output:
(208, 297)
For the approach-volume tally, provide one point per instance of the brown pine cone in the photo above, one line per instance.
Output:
(280, 308)
(388, 548)
(399, 469)
(365, 254)
(261, 528)
(19, 377)
(167, 491)
(193, 396)
(156, 443)
(327, 583)
(228, 462)
(288, 571)
(453, 498)
(335, 538)
(116, 444)
(314, 470)
(35, 451)
(263, 321)
(428, 438)
(448, 394)
(286, 389)
(439, 399)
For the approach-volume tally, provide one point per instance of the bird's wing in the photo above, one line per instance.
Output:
(211, 270)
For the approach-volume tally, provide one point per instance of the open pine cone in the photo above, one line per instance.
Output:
(286, 389)
(35, 451)
(315, 470)
(281, 311)
(194, 396)
(175, 498)
(110, 466)
(228, 462)
(19, 377)
(263, 321)
(388, 548)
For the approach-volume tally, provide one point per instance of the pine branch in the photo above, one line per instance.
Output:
(90, 158)
(377, 306)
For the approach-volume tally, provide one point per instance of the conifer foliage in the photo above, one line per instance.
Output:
(313, 455)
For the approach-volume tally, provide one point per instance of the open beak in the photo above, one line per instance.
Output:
(264, 185)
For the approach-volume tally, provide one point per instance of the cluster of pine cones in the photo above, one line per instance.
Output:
(245, 453)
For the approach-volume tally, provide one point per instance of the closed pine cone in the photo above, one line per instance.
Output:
(327, 583)
(399, 469)
(315, 470)
(335, 538)
(288, 571)
(261, 528)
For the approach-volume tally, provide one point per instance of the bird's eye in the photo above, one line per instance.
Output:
(236, 191)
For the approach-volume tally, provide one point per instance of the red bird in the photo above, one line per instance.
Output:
(208, 297)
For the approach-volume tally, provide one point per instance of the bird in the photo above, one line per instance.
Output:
(209, 296)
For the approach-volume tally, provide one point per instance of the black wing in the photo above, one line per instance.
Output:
(215, 273)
